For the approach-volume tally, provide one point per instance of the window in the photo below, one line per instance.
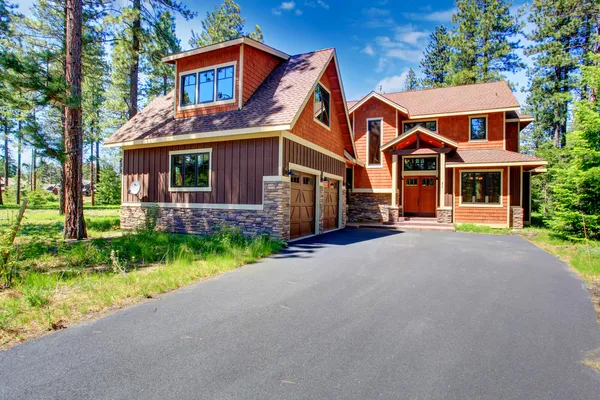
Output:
(412, 181)
(321, 105)
(431, 125)
(188, 89)
(420, 164)
(190, 170)
(478, 128)
(427, 182)
(208, 85)
(374, 141)
(481, 187)
(225, 83)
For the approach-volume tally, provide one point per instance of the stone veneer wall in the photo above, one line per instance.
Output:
(273, 219)
(444, 215)
(516, 217)
(368, 207)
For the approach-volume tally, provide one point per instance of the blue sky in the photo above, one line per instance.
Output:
(376, 41)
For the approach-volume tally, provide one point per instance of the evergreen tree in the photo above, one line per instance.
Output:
(109, 186)
(483, 45)
(224, 23)
(160, 78)
(436, 59)
(561, 36)
(411, 82)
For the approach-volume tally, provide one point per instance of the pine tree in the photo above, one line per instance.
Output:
(160, 78)
(411, 82)
(436, 59)
(560, 38)
(224, 23)
(483, 45)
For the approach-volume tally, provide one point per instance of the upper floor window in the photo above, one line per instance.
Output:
(478, 128)
(321, 105)
(208, 85)
(374, 141)
(190, 170)
(431, 125)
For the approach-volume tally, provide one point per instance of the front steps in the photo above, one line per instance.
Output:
(408, 224)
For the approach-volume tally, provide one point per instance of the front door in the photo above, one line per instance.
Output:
(419, 196)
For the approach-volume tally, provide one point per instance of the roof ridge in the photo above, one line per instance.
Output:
(447, 87)
(314, 51)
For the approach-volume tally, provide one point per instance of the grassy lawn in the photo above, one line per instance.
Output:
(58, 283)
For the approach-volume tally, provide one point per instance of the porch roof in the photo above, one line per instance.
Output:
(491, 157)
(419, 129)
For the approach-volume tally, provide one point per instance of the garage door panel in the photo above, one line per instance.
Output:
(331, 206)
(302, 207)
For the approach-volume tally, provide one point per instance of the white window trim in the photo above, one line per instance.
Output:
(187, 188)
(380, 165)
(214, 102)
(328, 127)
(408, 121)
(486, 128)
(483, 205)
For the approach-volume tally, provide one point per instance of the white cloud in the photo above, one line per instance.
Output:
(393, 83)
(405, 54)
(409, 35)
(288, 5)
(436, 16)
(383, 64)
(375, 12)
(276, 11)
(299, 12)
(368, 50)
(385, 41)
(315, 4)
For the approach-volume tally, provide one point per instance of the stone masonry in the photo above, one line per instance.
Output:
(516, 217)
(368, 207)
(444, 215)
(273, 219)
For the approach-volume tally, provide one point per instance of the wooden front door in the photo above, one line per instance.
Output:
(419, 196)
(330, 217)
(302, 207)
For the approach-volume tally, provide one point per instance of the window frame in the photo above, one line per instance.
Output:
(328, 127)
(380, 165)
(488, 205)
(214, 102)
(182, 76)
(208, 188)
(471, 117)
(410, 121)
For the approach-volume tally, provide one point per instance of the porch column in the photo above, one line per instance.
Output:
(442, 179)
(394, 179)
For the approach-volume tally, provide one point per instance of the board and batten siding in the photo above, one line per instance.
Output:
(298, 154)
(237, 170)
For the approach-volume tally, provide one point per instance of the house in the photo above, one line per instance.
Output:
(447, 153)
(250, 137)
(255, 138)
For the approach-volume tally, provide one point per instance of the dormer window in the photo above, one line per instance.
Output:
(208, 86)
(321, 105)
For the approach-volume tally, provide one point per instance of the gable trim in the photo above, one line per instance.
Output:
(412, 131)
(383, 99)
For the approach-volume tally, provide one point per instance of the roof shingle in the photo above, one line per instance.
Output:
(275, 102)
(490, 156)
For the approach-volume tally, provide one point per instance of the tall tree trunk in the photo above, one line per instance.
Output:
(135, 63)
(61, 192)
(165, 85)
(33, 170)
(92, 170)
(6, 158)
(74, 220)
(97, 161)
(19, 149)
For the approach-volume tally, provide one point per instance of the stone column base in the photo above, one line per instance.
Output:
(444, 215)
(516, 219)
(393, 214)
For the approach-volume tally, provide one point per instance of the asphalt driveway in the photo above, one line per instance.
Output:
(356, 314)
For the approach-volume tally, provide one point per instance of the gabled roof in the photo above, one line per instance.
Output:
(170, 59)
(274, 106)
(465, 99)
(464, 158)
(381, 97)
(414, 131)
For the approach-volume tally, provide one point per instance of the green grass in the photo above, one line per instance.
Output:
(60, 283)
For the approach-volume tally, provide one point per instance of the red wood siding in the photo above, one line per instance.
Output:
(237, 170)
(512, 136)
(298, 154)
(307, 128)
(216, 57)
(373, 177)
(257, 66)
(478, 214)
(457, 128)
(515, 186)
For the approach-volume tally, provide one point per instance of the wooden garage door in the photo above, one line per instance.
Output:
(330, 218)
(302, 210)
